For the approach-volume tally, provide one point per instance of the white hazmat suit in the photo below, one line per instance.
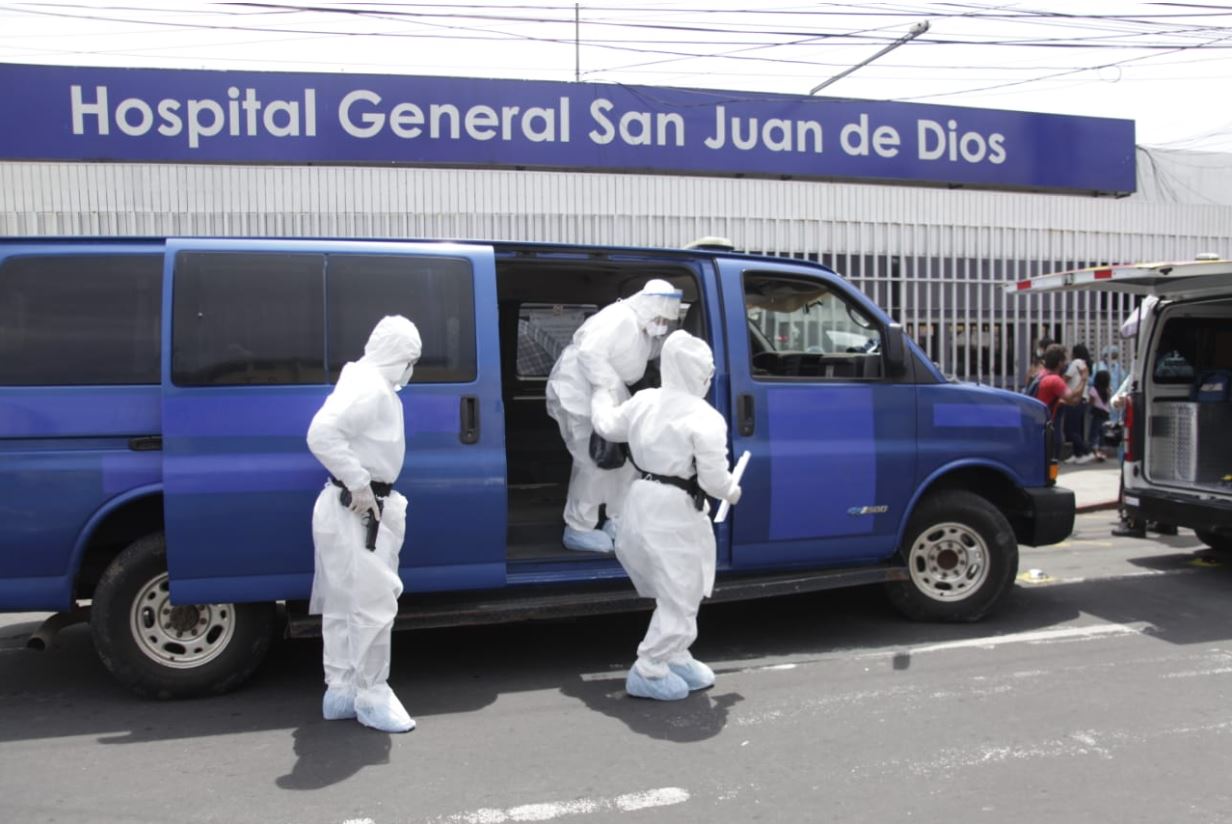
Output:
(666, 543)
(358, 435)
(608, 352)
(1129, 329)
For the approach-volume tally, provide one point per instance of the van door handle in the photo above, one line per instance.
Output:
(469, 414)
(146, 443)
(745, 418)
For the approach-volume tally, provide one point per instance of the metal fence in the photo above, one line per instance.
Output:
(937, 259)
(958, 311)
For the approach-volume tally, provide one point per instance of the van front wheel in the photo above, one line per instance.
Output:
(961, 558)
(165, 650)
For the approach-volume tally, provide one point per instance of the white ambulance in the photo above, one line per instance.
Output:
(1178, 423)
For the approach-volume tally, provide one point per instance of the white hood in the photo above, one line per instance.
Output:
(686, 364)
(393, 348)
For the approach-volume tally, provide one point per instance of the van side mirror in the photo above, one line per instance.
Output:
(894, 350)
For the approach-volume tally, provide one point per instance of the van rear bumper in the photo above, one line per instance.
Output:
(1050, 516)
(1179, 509)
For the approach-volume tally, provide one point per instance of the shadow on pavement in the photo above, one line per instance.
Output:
(329, 752)
(701, 716)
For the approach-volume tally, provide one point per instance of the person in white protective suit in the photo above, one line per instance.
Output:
(666, 543)
(608, 352)
(359, 436)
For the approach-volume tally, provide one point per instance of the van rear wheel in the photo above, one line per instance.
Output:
(164, 650)
(961, 557)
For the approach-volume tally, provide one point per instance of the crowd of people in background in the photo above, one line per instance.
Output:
(1079, 400)
(1086, 410)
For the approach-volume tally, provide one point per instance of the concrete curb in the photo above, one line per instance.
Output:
(1102, 506)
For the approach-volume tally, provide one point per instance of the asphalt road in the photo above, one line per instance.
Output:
(1101, 691)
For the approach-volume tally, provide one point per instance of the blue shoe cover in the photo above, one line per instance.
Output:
(670, 687)
(593, 540)
(380, 709)
(694, 673)
(609, 528)
(338, 703)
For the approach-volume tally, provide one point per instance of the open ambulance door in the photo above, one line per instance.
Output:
(1168, 281)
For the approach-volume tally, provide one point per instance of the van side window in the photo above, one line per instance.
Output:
(80, 320)
(241, 318)
(801, 328)
(437, 293)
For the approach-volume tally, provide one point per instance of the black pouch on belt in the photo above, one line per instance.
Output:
(371, 525)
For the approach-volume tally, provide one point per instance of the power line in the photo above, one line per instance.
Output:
(360, 13)
(1056, 74)
(450, 27)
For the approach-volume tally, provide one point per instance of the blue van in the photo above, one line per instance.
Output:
(155, 395)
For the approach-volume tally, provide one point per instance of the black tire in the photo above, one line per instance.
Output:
(230, 640)
(1218, 541)
(961, 557)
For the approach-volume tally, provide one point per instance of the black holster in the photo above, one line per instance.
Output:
(689, 485)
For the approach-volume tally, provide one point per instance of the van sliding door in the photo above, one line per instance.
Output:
(255, 335)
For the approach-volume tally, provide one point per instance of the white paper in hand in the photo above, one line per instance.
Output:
(737, 474)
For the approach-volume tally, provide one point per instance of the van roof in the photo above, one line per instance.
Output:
(708, 251)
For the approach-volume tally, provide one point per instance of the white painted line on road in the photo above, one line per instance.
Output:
(1043, 636)
(950, 761)
(1145, 573)
(1199, 673)
(664, 797)
(549, 810)
(1082, 743)
(610, 675)
(983, 642)
(613, 675)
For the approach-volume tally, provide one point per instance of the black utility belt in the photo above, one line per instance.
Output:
(690, 486)
(381, 490)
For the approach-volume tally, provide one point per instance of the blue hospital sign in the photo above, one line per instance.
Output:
(159, 115)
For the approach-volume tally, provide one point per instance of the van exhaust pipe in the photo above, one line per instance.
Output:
(43, 637)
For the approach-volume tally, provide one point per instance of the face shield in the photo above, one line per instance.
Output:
(664, 312)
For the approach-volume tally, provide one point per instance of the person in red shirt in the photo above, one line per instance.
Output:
(1053, 390)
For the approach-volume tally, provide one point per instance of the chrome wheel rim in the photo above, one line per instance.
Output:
(948, 562)
(179, 637)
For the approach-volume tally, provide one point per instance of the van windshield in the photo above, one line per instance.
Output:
(787, 315)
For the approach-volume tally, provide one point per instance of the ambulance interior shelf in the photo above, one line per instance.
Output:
(1191, 412)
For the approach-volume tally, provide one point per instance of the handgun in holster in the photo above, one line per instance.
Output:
(371, 525)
